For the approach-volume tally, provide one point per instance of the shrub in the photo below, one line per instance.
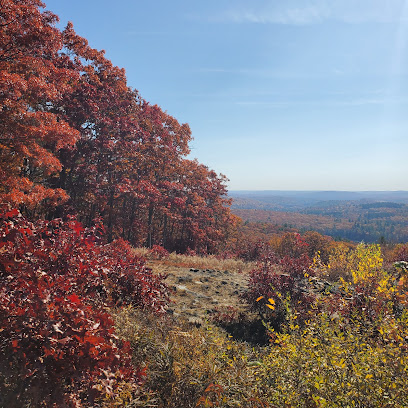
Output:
(333, 362)
(57, 341)
(352, 351)
(190, 252)
(158, 252)
(226, 315)
(400, 253)
(368, 289)
(338, 264)
(253, 250)
(292, 245)
(189, 366)
(277, 285)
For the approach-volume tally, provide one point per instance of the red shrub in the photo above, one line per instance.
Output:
(226, 315)
(278, 284)
(158, 252)
(190, 252)
(400, 253)
(253, 250)
(57, 341)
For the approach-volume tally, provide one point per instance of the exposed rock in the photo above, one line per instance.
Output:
(187, 278)
(196, 321)
(197, 292)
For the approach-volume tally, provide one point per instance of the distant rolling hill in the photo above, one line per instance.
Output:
(358, 216)
(280, 200)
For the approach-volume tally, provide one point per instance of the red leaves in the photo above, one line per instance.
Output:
(280, 280)
(158, 252)
(73, 132)
(77, 227)
(11, 214)
(74, 299)
(55, 283)
(70, 126)
(31, 85)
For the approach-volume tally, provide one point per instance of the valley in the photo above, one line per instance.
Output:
(356, 216)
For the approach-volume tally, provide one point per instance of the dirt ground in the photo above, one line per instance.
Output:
(196, 294)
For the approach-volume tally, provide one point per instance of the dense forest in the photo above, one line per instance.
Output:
(360, 216)
(99, 203)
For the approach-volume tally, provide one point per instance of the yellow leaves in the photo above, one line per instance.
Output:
(362, 263)
(385, 285)
(320, 401)
(258, 299)
(341, 363)
(337, 366)
(366, 262)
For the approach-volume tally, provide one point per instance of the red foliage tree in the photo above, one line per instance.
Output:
(129, 166)
(71, 127)
(33, 80)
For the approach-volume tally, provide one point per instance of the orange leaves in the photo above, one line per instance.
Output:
(25, 192)
(32, 77)
(271, 303)
(94, 340)
(15, 86)
(212, 396)
(73, 124)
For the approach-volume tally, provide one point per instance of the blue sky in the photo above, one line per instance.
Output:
(285, 95)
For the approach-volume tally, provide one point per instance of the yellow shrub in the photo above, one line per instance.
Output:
(366, 261)
(330, 363)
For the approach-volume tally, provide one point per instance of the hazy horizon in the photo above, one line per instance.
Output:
(321, 195)
(320, 191)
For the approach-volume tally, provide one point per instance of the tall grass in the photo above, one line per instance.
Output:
(200, 262)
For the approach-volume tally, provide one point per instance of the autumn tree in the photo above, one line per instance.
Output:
(33, 82)
(77, 140)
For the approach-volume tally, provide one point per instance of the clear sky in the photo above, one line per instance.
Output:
(288, 95)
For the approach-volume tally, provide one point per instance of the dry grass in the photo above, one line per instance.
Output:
(201, 262)
(188, 366)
